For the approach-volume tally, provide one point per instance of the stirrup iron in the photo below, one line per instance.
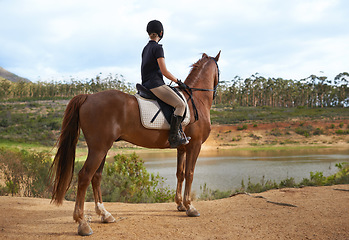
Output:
(187, 139)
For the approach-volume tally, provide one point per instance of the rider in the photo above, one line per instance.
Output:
(153, 69)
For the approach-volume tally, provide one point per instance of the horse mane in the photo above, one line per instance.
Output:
(196, 67)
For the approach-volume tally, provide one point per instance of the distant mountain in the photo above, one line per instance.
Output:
(11, 76)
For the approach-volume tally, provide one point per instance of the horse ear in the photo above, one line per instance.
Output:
(204, 55)
(217, 57)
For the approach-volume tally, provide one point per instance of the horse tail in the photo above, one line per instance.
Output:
(62, 168)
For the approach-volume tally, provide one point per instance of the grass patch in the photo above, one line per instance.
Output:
(8, 144)
(288, 141)
(276, 148)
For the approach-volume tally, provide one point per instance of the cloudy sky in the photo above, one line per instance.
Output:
(55, 40)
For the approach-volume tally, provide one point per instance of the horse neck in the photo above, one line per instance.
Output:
(203, 78)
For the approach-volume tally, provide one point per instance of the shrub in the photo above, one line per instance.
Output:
(289, 182)
(342, 132)
(263, 185)
(237, 138)
(209, 194)
(251, 135)
(243, 127)
(126, 180)
(318, 131)
(316, 179)
(305, 131)
(276, 132)
(340, 177)
(25, 173)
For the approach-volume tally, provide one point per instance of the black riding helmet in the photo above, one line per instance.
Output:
(155, 26)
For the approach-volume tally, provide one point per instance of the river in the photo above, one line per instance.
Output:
(225, 169)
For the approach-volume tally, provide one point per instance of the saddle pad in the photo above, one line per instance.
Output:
(149, 107)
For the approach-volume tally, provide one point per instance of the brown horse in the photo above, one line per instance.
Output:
(111, 116)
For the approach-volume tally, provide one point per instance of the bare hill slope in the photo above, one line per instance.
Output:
(11, 76)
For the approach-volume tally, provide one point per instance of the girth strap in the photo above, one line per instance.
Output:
(155, 116)
(190, 94)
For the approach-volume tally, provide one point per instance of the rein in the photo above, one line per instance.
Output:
(189, 91)
(214, 90)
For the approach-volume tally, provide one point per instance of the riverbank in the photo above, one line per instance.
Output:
(292, 134)
(256, 136)
(288, 135)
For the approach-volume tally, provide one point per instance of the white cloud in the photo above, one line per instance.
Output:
(290, 39)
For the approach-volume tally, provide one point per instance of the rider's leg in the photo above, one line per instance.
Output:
(175, 137)
(167, 95)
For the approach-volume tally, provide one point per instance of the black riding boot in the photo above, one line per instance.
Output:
(175, 138)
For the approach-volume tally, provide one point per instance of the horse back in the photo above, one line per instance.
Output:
(114, 115)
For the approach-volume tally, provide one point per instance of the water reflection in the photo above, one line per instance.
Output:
(224, 169)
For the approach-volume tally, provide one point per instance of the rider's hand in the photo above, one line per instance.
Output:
(181, 84)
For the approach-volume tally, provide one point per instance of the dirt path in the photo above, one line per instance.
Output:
(321, 213)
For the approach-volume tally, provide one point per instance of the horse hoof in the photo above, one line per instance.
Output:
(84, 229)
(109, 219)
(181, 208)
(192, 212)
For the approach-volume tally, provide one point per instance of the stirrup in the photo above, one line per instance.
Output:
(187, 139)
(183, 140)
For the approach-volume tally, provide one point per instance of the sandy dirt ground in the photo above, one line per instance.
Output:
(320, 213)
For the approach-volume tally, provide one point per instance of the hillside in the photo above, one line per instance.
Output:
(283, 134)
(40, 122)
(11, 76)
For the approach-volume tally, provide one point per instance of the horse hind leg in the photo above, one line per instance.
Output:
(106, 217)
(180, 178)
(85, 176)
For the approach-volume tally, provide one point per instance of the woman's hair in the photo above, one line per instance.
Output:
(153, 35)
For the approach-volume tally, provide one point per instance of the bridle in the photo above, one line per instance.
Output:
(189, 91)
(214, 90)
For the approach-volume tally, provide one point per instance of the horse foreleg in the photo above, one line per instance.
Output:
(106, 217)
(85, 175)
(192, 155)
(180, 178)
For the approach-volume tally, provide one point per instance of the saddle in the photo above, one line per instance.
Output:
(156, 114)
